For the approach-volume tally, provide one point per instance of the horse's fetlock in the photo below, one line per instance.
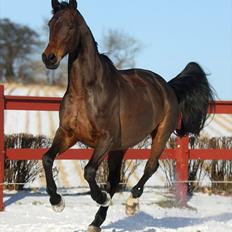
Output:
(137, 191)
(55, 199)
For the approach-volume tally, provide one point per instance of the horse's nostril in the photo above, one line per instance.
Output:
(52, 58)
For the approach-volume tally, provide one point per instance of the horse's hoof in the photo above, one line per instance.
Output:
(132, 206)
(108, 200)
(94, 229)
(59, 207)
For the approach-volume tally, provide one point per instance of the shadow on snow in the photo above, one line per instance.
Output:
(145, 222)
(12, 198)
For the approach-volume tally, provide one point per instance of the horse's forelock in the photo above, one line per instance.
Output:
(63, 5)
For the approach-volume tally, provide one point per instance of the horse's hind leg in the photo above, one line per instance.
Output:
(159, 139)
(61, 142)
(114, 164)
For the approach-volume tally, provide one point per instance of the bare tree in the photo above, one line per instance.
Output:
(121, 48)
(17, 42)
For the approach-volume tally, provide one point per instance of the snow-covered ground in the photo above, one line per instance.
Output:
(31, 212)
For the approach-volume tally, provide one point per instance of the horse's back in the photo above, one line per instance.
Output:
(146, 86)
(142, 74)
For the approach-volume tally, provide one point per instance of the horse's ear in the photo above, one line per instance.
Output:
(55, 4)
(73, 4)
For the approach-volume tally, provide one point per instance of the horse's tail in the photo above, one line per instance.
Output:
(194, 94)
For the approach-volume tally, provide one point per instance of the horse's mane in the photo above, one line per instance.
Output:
(107, 60)
(63, 5)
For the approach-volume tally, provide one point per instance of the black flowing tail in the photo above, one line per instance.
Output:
(194, 94)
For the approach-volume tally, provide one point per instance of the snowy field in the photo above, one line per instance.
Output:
(31, 212)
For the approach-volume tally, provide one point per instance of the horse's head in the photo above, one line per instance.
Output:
(64, 35)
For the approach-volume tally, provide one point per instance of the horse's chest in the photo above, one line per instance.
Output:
(74, 117)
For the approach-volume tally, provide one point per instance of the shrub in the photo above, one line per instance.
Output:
(219, 172)
(22, 171)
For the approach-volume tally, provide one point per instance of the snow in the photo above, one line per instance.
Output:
(30, 211)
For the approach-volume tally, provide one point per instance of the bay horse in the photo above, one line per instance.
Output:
(111, 110)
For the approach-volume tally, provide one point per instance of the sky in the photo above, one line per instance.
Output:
(171, 32)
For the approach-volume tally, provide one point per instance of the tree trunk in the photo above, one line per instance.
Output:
(9, 72)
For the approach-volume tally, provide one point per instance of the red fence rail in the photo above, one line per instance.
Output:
(182, 154)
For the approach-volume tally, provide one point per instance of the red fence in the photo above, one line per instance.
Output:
(182, 154)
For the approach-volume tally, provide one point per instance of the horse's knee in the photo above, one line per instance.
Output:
(89, 174)
(47, 161)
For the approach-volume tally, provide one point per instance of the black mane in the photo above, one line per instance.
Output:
(107, 59)
(63, 5)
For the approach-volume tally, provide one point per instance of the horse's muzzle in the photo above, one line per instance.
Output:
(51, 61)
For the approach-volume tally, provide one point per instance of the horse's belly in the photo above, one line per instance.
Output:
(135, 127)
(139, 116)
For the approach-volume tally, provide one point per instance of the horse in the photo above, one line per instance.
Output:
(111, 110)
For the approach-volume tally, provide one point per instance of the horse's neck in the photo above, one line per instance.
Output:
(84, 64)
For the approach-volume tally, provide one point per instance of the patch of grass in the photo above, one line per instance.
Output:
(37, 203)
(19, 203)
(172, 203)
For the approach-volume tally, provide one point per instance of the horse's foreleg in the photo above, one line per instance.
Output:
(61, 142)
(48, 160)
(104, 145)
(114, 164)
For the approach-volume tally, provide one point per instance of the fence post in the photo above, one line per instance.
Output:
(182, 170)
(2, 148)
